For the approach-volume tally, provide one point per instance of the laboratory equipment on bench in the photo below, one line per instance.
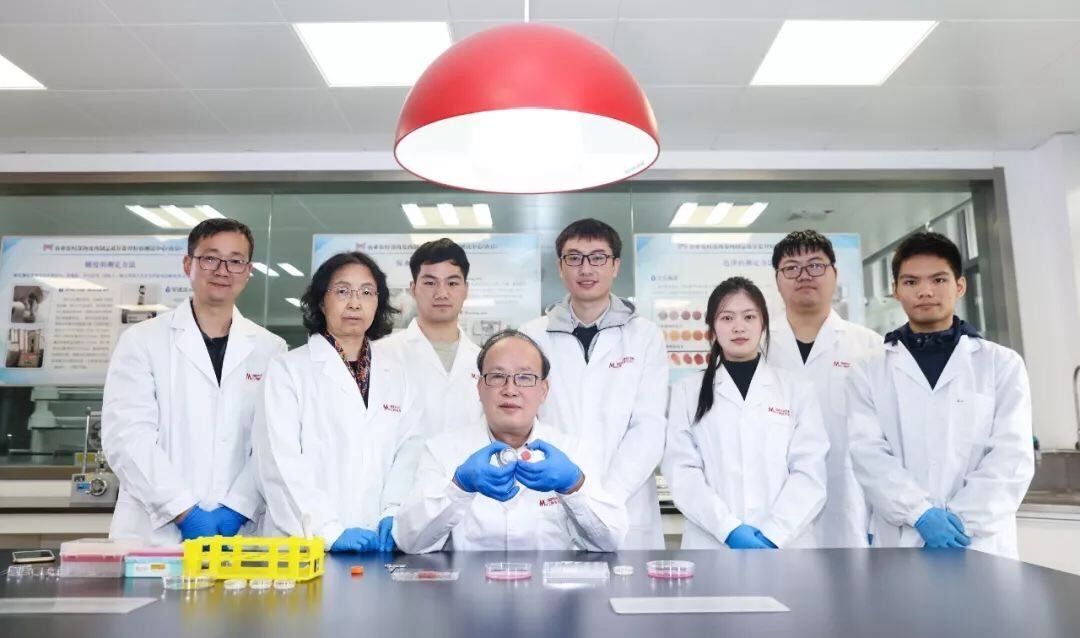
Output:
(288, 558)
(508, 571)
(670, 569)
(571, 571)
(99, 485)
(33, 556)
(410, 574)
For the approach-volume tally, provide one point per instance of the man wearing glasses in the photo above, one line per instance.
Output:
(509, 482)
(610, 382)
(816, 340)
(180, 395)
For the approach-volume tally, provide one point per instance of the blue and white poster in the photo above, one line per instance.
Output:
(70, 298)
(675, 273)
(504, 275)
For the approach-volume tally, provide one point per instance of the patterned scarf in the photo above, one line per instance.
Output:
(360, 369)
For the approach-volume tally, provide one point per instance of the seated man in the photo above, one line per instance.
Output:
(510, 482)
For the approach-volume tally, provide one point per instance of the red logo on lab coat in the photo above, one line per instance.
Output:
(549, 501)
(251, 376)
(779, 411)
(390, 407)
(841, 364)
(621, 362)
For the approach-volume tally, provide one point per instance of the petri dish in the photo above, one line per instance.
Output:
(235, 584)
(284, 584)
(670, 569)
(187, 583)
(508, 571)
(623, 570)
(507, 456)
(261, 584)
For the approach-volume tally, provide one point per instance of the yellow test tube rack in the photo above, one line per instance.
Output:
(220, 557)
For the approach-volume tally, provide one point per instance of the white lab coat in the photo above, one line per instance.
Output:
(839, 345)
(758, 461)
(322, 454)
(614, 405)
(173, 435)
(437, 509)
(964, 445)
(449, 399)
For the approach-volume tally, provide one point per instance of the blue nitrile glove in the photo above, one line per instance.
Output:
(940, 528)
(229, 521)
(356, 539)
(765, 539)
(386, 538)
(477, 474)
(197, 524)
(746, 537)
(556, 473)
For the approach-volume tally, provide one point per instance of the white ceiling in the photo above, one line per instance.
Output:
(231, 75)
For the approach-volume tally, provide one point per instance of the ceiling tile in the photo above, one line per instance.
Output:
(689, 117)
(233, 56)
(488, 10)
(601, 32)
(713, 9)
(791, 109)
(694, 52)
(575, 9)
(42, 113)
(372, 112)
(935, 10)
(54, 11)
(135, 113)
(194, 11)
(83, 57)
(986, 53)
(269, 111)
(343, 10)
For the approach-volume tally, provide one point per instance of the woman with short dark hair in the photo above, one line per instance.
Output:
(334, 441)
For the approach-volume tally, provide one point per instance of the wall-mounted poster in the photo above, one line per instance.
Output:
(68, 300)
(504, 275)
(674, 274)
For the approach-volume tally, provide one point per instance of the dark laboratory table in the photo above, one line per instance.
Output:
(832, 593)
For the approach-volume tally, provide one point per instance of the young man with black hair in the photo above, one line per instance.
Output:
(180, 396)
(609, 376)
(940, 421)
(814, 339)
(434, 351)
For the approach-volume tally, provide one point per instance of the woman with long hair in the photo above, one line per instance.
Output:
(746, 445)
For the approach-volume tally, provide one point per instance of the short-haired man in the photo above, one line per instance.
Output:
(814, 339)
(509, 482)
(435, 352)
(609, 385)
(180, 397)
(940, 420)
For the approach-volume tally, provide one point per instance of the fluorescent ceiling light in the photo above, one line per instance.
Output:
(718, 213)
(293, 300)
(448, 214)
(751, 213)
(416, 217)
(291, 269)
(12, 77)
(482, 213)
(683, 215)
(172, 216)
(839, 52)
(179, 214)
(261, 267)
(373, 53)
(149, 216)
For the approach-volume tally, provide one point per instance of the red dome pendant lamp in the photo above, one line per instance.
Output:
(526, 108)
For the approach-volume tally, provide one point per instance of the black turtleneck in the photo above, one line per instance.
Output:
(742, 373)
(585, 335)
(932, 350)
